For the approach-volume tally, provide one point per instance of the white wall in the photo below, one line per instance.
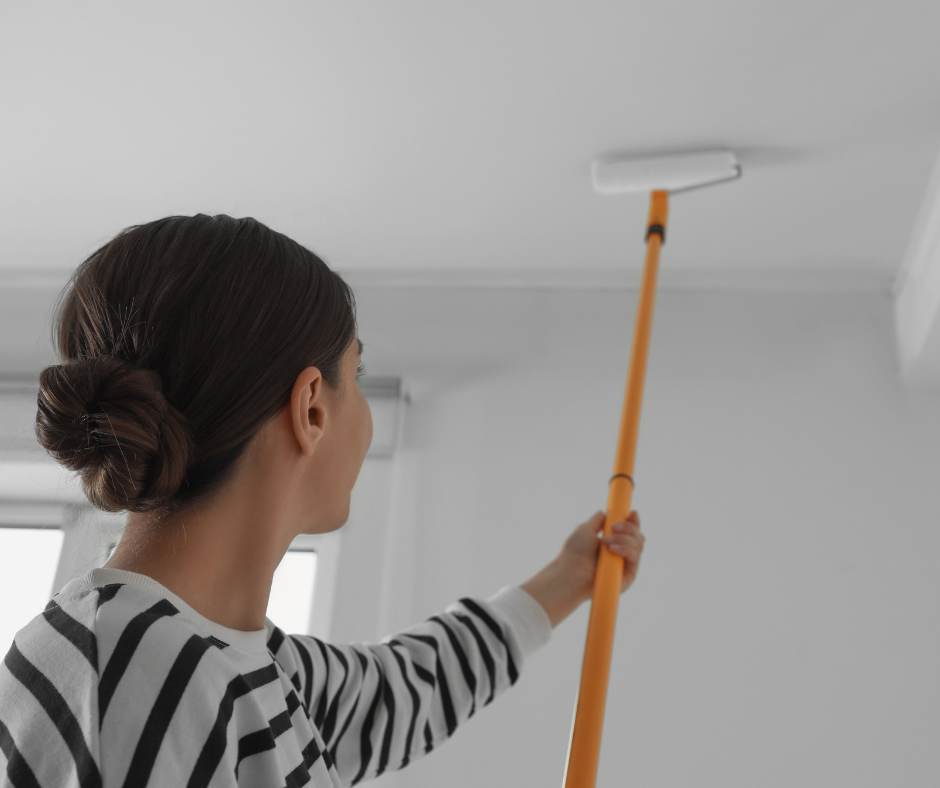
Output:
(784, 627)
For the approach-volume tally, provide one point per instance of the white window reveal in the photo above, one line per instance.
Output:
(292, 591)
(301, 601)
(28, 560)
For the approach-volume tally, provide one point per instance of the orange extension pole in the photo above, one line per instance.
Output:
(585, 745)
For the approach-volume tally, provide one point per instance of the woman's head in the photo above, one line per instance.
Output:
(178, 340)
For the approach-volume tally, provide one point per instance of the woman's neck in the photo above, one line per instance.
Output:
(220, 559)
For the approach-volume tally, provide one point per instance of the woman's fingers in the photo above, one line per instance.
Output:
(625, 544)
(626, 540)
(632, 523)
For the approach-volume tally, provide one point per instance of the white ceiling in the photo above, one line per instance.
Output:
(451, 136)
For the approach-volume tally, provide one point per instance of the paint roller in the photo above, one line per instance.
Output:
(660, 175)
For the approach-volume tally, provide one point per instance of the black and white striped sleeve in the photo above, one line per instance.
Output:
(380, 706)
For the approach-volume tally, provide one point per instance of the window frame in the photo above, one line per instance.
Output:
(31, 481)
(326, 546)
(25, 515)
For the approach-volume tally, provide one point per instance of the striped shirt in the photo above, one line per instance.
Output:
(119, 682)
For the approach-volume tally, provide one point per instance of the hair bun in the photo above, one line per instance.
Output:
(109, 420)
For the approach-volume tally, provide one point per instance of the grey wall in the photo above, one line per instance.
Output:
(784, 626)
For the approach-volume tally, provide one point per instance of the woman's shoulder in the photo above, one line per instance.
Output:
(64, 632)
(93, 670)
(48, 683)
(57, 654)
(86, 624)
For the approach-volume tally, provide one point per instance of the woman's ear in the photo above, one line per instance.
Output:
(307, 412)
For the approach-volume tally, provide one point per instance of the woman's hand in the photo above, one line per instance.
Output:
(569, 580)
(583, 546)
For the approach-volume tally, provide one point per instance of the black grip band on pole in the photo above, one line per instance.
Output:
(656, 228)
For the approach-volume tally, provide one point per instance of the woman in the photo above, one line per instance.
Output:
(208, 388)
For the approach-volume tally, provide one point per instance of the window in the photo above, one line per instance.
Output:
(49, 534)
(301, 601)
(292, 591)
(29, 557)
(45, 542)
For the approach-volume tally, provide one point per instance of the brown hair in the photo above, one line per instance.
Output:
(178, 340)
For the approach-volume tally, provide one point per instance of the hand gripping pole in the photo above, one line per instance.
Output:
(585, 743)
